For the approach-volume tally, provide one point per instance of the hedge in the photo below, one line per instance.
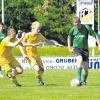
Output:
(54, 51)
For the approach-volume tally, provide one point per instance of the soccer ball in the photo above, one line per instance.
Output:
(74, 82)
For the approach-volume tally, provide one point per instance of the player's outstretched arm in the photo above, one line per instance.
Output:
(52, 42)
(98, 42)
(13, 44)
(22, 51)
(29, 44)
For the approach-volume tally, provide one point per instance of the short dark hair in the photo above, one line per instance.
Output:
(76, 18)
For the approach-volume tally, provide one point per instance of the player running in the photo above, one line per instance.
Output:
(7, 60)
(78, 36)
(30, 52)
(2, 36)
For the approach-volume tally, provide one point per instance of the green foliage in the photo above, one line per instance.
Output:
(18, 14)
(55, 16)
(57, 87)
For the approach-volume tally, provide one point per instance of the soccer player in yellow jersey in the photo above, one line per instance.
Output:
(7, 60)
(30, 52)
(2, 36)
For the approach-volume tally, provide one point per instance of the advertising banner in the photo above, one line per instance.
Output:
(61, 62)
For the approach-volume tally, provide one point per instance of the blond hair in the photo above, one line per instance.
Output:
(10, 30)
(36, 24)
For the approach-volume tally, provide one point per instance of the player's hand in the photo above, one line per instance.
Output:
(39, 43)
(23, 34)
(25, 56)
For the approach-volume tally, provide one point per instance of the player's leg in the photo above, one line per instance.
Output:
(85, 72)
(79, 67)
(85, 66)
(41, 82)
(12, 74)
(16, 65)
(79, 62)
(38, 74)
(19, 70)
(15, 70)
(41, 71)
(41, 68)
(38, 67)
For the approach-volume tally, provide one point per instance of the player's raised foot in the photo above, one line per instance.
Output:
(41, 83)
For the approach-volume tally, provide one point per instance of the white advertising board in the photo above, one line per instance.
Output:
(61, 62)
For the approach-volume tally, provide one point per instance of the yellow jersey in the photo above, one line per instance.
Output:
(32, 38)
(5, 51)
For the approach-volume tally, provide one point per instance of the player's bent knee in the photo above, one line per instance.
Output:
(11, 73)
(19, 70)
(36, 68)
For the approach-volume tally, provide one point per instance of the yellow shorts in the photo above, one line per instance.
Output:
(7, 65)
(35, 61)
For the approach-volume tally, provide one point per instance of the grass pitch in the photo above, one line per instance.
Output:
(57, 87)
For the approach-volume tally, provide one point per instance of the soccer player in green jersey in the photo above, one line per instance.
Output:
(2, 36)
(78, 36)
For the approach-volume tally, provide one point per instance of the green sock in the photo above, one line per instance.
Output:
(78, 72)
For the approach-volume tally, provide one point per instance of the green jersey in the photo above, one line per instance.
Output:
(2, 36)
(79, 37)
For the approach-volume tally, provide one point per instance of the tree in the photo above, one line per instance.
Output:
(18, 14)
(55, 16)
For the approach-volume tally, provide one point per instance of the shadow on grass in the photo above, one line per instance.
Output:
(51, 85)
